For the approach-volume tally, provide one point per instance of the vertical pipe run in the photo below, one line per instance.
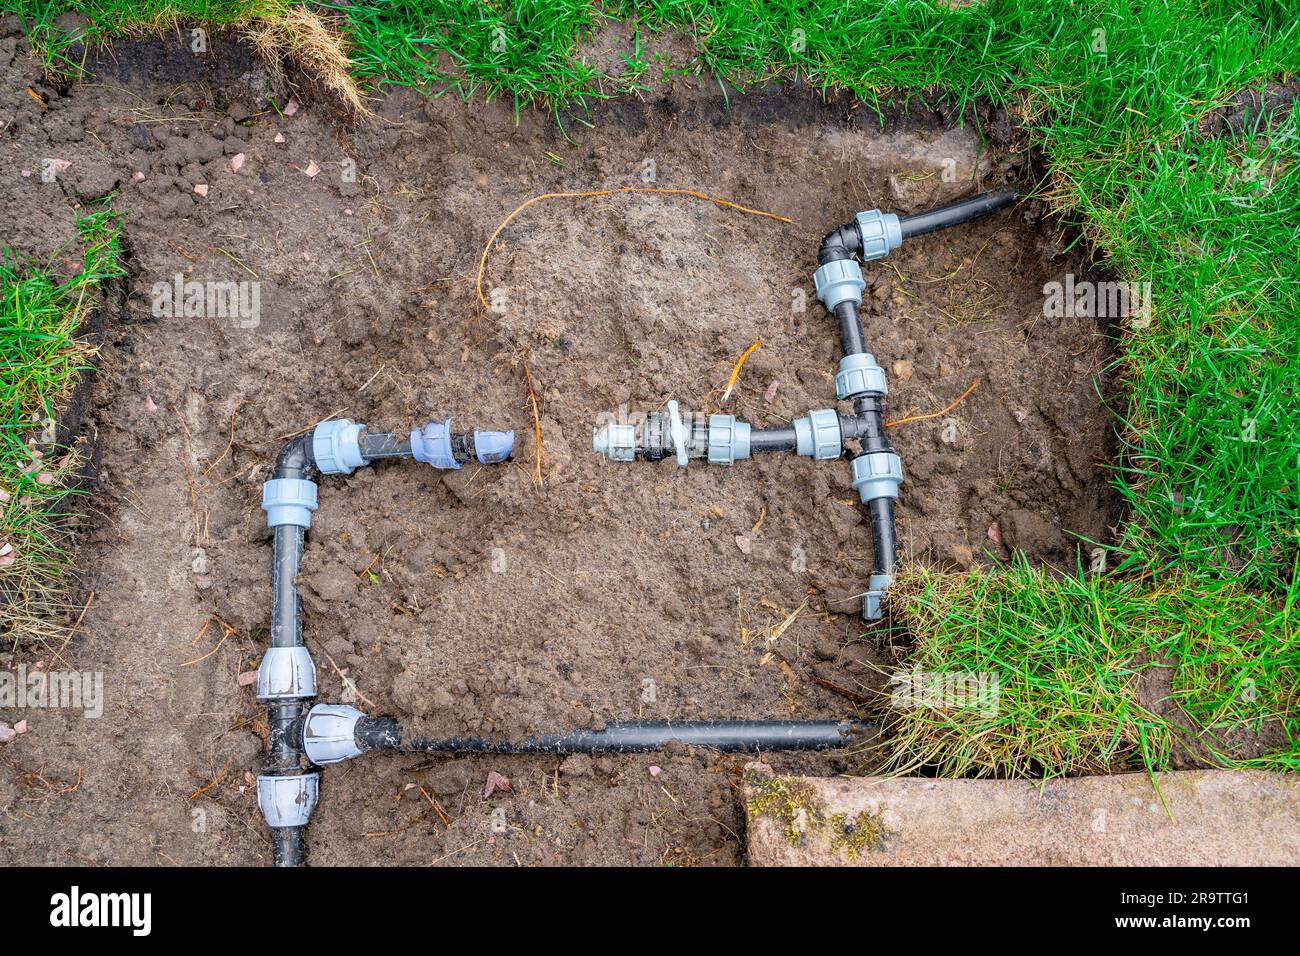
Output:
(286, 621)
(846, 313)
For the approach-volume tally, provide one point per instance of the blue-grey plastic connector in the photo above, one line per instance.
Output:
(817, 435)
(329, 733)
(877, 474)
(288, 801)
(289, 501)
(615, 442)
(839, 280)
(873, 597)
(493, 447)
(432, 445)
(286, 673)
(858, 375)
(728, 440)
(881, 232)
(336, 447)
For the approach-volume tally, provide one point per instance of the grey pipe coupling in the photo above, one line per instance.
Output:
(728, 440)
(616, 442)
(877, 474)
(839, 280)
(288, 801)
(286, 673)
(858, 375)
(329, 733)
(817, 435)
(881, 233)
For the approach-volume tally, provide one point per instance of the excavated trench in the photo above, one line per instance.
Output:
(474, 601)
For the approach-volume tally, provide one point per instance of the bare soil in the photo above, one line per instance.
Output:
(475, 601)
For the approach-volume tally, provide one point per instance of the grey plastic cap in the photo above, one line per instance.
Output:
(336, 447)
(615, 442)
(289, 501)
(493, 447)
(877, 474)
(817, 435)
(286, 672)
(874, 596)
(328, 733)
(432, 445)
(728, 440)
(859, 374)
(881, 233)
(839, 280)
(288, 801)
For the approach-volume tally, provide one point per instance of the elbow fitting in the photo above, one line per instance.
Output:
(843, 242)
(295, 458)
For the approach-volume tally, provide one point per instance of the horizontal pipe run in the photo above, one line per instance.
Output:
(772, 439)
(376, 445)
(729, 736)
(957, 213)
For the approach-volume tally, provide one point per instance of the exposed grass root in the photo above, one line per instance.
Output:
(300, 36)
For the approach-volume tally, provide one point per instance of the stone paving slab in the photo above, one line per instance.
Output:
(1207, 818)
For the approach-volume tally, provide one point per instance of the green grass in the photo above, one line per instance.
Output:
(40, 360)
(1113, 93)
(1083, 669)
(63, 50)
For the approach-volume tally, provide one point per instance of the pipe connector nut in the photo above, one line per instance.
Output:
(329, 733)
(818, 435)
(336, 447)
(289, 501)
(286, 673)
(877, 474)
(615, 442)
(728, 440)
(288, 801)
(881, 233)
(859, 375)
(839, 280)
(873, 597)
(432, 445)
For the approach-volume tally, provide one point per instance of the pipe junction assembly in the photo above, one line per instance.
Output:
(304, 737)
(876, 470)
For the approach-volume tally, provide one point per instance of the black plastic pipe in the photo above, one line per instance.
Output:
(772, 439)
(956, 213)
(383, 445)
(730, 736)
(851, 341)
(284, 743)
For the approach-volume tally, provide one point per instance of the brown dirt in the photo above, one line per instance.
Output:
(490, 606)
